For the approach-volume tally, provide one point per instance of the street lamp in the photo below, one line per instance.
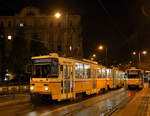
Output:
(106, 54)
(139, 55)
(94, 55)
(134, 53)
(68, 46)
(57, 15)
(144, 52)
(100, 47)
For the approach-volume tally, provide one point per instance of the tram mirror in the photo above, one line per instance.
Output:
(61, 67)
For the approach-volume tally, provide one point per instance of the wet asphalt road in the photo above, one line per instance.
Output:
(96, 105)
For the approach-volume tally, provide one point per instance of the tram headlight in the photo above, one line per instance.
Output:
(46, 88)
(31, 88)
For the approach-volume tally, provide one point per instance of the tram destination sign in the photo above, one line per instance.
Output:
(133, 71)
(42, 60)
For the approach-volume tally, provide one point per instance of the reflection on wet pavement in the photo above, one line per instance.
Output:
(93, 106)
(97, 106)
(100, 108)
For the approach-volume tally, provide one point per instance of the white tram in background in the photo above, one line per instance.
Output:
(63, 78)
(135, 78)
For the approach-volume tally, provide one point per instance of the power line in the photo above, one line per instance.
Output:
(115, 25)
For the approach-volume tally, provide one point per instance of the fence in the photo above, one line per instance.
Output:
(14, 89)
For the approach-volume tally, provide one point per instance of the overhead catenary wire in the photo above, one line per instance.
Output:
(111, 18)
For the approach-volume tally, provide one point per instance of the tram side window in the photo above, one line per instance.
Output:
(98, 73)
(118, 75)
(110, 73)
(87, 71)
(54, 66)
(103, 73)
(79, 70)
(114, 74)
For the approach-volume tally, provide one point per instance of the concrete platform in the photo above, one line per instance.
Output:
(138, 106)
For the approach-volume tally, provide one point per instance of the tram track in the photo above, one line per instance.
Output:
(142, 109)
(66, 108)
(84, 105)
(119, 107)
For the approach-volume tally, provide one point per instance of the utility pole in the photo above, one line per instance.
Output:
(3, 55)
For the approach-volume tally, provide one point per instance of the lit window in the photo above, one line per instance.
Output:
(21, 25)
(70, 48)
(9, 37)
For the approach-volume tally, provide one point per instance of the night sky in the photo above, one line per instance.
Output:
(121, 25)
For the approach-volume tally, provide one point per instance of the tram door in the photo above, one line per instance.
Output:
(68, 80)
(113, 78)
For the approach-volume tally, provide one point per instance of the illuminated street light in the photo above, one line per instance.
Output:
(139, 55)
(57, 15)
(134, 53)
(92, 58)
(144, 52)
(65, 17)
(106, 54)
(100, 47)
(94, 55)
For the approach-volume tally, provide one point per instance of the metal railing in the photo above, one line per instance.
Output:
(13, 88)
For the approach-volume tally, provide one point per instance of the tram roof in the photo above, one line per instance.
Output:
(55, 55)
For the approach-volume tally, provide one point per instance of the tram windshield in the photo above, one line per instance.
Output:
(133, 76)
(46, 69)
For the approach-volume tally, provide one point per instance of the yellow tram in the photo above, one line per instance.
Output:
(135, 78)
(68, 78)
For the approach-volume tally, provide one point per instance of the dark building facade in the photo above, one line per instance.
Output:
(62, 35)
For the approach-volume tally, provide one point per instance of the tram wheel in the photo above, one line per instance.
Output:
(79, 96)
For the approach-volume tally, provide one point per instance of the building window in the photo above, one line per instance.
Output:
(1, 24)
(70, 24)
(36, 36)
(9, 37)
(21, 25)
(30, 14)
(59, 24)
(9, 23)
(51, 24)
(59, 47)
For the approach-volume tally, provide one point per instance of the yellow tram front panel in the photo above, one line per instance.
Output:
(46, 86)
(133, 81)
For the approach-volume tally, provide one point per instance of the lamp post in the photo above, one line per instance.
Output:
(106, 53)
(139, 55)
(3, 52)
(68, 45)
(57, 15)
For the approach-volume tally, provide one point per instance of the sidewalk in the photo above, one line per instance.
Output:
(138, 106)
(14, 99)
